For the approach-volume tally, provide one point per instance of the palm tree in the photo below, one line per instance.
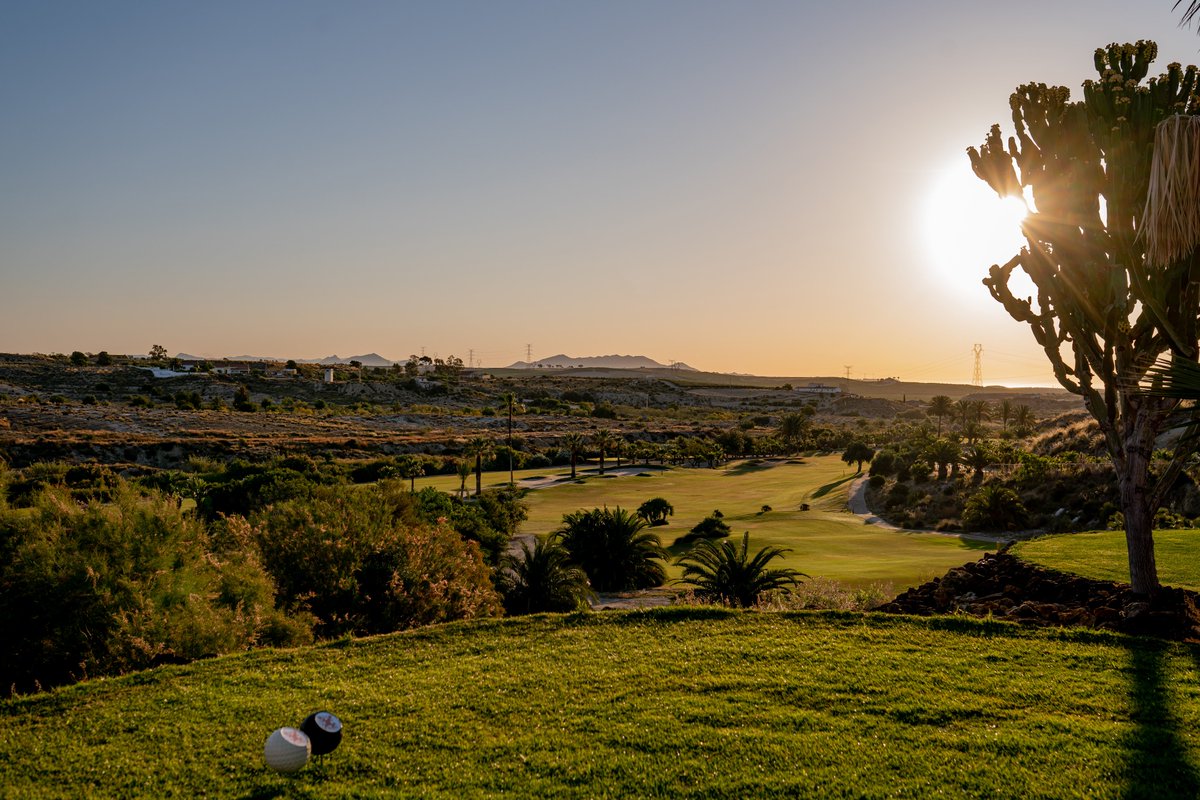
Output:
(943, 453)
(462, 468)
(614, 549)
(542, 579)
(978, 457)
(972, 431)
(722, 571)
(574, 442)
(478, 448)
(963, 409)
(603, 440)
(980, 411)
(940, 406)
(1006, 412)
(410, 467)
(1022, 417)
(793, 428)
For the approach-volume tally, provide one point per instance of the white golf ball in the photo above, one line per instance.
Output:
(287, 750)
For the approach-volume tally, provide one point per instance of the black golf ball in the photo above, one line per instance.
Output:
(324, 730)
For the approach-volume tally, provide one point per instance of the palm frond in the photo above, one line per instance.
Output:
(1176, 378)
(728, 573)
(1193, 8)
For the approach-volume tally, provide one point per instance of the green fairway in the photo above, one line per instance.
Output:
(672, 703)
(825, 541)
(1102, 555)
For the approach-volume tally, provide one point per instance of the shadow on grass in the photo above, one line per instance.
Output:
(829, 487)
(977, 544)
(1158, 763)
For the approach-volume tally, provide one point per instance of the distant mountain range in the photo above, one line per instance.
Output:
(561, 361)
(368, 360)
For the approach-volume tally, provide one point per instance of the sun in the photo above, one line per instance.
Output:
(967, 228)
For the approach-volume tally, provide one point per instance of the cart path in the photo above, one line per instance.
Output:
(858, 507)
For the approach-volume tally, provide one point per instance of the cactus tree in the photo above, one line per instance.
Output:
(1102, 313)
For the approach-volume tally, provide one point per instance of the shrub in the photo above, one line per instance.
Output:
(244, 489)
(994, 508)
(241, 399)
(884, 463)
(468, 519)
(499, 459)
(188, 400)
(655, 511)
(348, 557)
(604, 411)
(103, 589)
(538, 461)
(897, 495)
(824, 593)
(1165, 518)
(919, 469)
(504, 509)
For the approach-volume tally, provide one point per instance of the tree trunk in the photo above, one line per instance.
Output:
(478, 474)
(1134, 479)
(1139, 539)
(572, 465)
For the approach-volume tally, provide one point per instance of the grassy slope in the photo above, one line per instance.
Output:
(826, 541)
(1102, 555)
(669, 703)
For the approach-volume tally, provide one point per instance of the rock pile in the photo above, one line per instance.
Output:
(1005, 587)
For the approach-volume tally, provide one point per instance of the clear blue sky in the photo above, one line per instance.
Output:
(741, 186)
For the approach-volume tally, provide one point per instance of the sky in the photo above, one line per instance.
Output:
(776, 188)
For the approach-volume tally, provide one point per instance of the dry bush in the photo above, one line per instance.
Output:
(816, 594)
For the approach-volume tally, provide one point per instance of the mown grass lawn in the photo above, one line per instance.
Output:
(683, 702)
(825, 541)
(1102, 555)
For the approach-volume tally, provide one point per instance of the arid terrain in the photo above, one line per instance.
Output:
(121, 414)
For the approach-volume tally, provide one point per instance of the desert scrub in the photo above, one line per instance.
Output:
(349, 556)
(102, 589)
(814, 594)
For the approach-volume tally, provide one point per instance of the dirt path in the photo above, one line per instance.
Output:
(858, 507)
